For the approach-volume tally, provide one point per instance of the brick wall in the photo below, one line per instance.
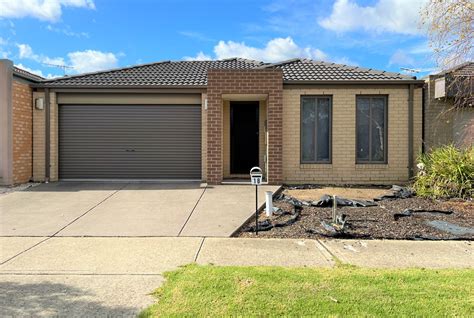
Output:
(268, 82)
(463, 127)
(343, 169)
(445, 124)
(22, 132)
(438, 118)
(39, 139)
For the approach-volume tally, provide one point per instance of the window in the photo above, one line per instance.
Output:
(371, 125)
(316, 129)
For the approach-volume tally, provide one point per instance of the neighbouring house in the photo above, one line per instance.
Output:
(444, 122)
(16, 123)
(300, 120)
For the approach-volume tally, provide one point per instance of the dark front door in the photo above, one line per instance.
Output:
(243, 136)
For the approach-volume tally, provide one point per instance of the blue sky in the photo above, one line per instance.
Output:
(90, 35)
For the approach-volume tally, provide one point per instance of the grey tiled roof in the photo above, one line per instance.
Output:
(26, 75)
(309, 70)
(466, 68)
(194, 73)
(167, 73)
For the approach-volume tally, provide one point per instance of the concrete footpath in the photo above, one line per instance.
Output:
(105, 276)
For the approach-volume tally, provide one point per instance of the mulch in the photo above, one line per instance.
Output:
(376, 222)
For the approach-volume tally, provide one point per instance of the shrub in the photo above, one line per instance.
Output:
(446, 172)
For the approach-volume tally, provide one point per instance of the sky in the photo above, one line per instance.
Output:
(93, 35)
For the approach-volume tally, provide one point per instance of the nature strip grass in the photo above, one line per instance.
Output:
(342, 291)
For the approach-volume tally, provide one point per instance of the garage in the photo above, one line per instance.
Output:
(129, 141)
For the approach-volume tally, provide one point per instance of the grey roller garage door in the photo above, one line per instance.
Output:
(130, 142)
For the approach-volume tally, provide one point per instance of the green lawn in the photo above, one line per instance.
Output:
(342, 291)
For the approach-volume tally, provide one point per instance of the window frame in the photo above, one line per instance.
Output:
(385, 139)
(316, 161)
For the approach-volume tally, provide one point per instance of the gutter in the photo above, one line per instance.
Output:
(411, 88)
(345, 82)
(47, 85)
(47, 135)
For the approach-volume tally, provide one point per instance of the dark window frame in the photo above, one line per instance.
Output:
(385, 139)
(316, 161)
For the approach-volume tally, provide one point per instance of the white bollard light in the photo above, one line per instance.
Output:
(269, 203)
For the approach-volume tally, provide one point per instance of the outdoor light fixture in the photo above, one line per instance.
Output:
(39, 103)
(205, 104)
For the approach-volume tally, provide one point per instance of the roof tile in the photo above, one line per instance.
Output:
(194, 73)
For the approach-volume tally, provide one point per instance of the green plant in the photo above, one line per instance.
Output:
(446, 172)
(341, 291)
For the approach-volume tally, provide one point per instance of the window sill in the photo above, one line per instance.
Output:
(316, 165)
(371, 165)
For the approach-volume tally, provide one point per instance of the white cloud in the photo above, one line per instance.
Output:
(199, 57)
(278, 49)
(90, 61)
(422, 48)
(46, 10)
(68, 32)
(401, 58)
(275, 50)
(344, 60)
(80, 61)
(26, 52)
(396, 16)
(4, 52)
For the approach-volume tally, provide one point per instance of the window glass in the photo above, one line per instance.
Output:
(378, 129)
(371, 127)
(315, 129)
(323, 127)
(308, 128)
(363, 124)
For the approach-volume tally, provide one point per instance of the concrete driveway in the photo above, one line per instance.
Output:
(127, 209)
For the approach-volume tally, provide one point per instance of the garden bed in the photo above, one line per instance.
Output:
(401, 218)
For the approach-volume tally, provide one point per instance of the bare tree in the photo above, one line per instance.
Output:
(450, 27)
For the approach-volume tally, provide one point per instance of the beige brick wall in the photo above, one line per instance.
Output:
(343, 169)
(38, 141)
(54, 163)
(39, 138)
(22, 132)
(417, 124)
(445, 124)
(463, 127)
(438, 119)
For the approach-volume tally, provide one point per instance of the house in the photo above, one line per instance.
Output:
(300, 120)
(447, 123)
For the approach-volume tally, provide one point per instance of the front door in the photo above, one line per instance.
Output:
(243, 136)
